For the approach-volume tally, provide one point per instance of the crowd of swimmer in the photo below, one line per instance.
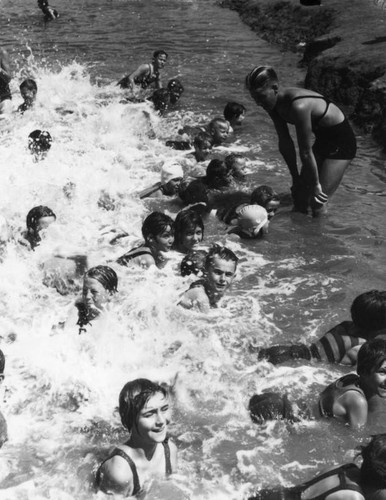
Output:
(326, 147)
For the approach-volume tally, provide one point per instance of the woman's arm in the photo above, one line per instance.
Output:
(286, 145)
(116, 476)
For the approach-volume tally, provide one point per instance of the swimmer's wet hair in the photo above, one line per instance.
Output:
(222, 253)
(231, 159)
(368, 311)
(161, 99)
(217, 174)
(371, 356)
(373, 469)
(106, 276)
(39, 141)
(185, 220)
(176, 89)
(134, 396)
(155, 224)
(233, 110)
(218, 120)
(159, 53)
(28, 84)
(259, 77)
(262, 195)
(194, 263)
(270, 406)
(202, 140)
(35, 214)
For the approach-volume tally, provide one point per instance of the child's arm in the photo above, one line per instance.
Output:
(195, 298)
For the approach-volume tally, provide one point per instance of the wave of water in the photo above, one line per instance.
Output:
(61, 388)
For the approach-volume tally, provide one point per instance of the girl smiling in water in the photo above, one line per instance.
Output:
(144, 410)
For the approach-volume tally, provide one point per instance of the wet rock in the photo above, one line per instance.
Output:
(344, 49)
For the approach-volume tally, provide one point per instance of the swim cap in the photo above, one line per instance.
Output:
(252, 217)
(39, 141)
(171, 170)
(270, 406)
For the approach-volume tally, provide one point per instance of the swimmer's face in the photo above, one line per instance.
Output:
(163, 242)
(202, 152)
(220, 275)
(239, 168)
(153, 419)
(173, 186)
(375, 382)
(265, 97)
(29, 95)
(191, 237)
(44, 222)
(94, 294)
(160, 61)
(220, 132)
(271, 208)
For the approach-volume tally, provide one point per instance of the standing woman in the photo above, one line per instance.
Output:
(325, 139)
(144, 411)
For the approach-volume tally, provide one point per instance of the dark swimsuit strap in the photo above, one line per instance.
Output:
(168, 464)
(314, 97)
(343, 484)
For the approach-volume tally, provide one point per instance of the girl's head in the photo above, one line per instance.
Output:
(266, 197)
(188, 230)
(194, 263)
(176, 89)
(368, 311)
(262, 83)
(157, 230)
(373, 470)
(217, 174)
(98, 284)
(371, 356)
(39, 143)
(234, 113)
(236, 164)
(203, 143)
(38, 218)
(144, 409)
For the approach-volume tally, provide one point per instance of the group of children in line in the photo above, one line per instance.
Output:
(144, 405)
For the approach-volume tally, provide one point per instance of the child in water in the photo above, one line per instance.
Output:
(236, 164)
(171, 177)
(188, 230)
(28, 91)
(146, 75)
(145, 413)
(345, 482)
(234, 113)
(38, 218)
(342, 342)
(357, 400)
(218, 129)
(220, 270)
(99, 283)
(251, 222)
(49, 12)
(158, 233)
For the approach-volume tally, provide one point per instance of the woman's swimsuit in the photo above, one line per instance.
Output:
(136, 484)
(133, 253)
(150, 77)
(295, 493)
(334, 391)
(336, 142)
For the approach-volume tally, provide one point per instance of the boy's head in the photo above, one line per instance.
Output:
(157, 231)
(236, 164)
(218, 128)
(28, 91)
(159, 58)
(368, 311)
(220, 267)
(217, 174)
(176, 89)
(252, 222)
(203, 143)
(266, 197)
(373, 471)
(171, 177)
(234, 113)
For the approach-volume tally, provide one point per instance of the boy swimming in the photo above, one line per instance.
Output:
(28, 91)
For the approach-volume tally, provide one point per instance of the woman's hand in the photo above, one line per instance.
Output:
(320, 198)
